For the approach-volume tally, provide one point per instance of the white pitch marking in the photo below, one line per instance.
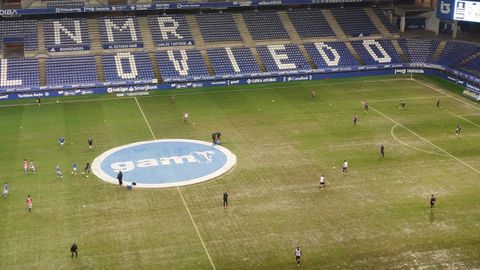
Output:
(179, 191)
(411, 146)
(402, 99)
(200, 92)
(448, 95)
(473, 123)
(145, 118)
(425, 140)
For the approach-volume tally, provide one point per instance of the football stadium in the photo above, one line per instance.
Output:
(248, 134)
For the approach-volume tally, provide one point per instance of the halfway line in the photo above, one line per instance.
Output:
(425, 140)
(179, 191)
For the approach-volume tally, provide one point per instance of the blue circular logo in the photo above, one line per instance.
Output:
(164, 163)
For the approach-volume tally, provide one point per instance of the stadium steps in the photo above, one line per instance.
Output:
(243, 29)
(147, 38)
(156, 71)
(378, 24)
(195, 30)
(260, 64)
(40, 37)
(464, 61)
(41, 69)
(438, 51)
(101, 74)
(208, 64)
(334, 25)
(399, 50)
(94, 35)
(355, 53)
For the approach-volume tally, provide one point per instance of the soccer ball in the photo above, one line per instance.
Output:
(83, 173)
(72, 173)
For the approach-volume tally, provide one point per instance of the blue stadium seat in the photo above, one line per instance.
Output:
(127, 66)
(19, 73)
(218, 27)
(456, 51)
(375, 52)
(170, 30)
(25, 29)
(71, 70)
(64, 3)
(283, 58)
(331, 54)
(120, 32)
(68, 34)
(354, 21)
(310, 23)
(230, 61)
(472, 66)
(264, 25)
(419, 50)
(181, 64)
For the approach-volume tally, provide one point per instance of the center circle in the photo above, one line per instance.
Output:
(164, 163)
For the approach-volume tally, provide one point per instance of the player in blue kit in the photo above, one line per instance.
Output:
(74, 168)
(61, 141)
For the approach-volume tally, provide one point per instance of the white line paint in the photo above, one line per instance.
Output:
(180, 192)
(402, 99)
(202, 92)
(473, 123)
(392, 132)
(196, 229)
(448, 95)
(425, 140)
(145, 118)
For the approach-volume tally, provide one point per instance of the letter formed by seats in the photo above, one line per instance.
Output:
(123, 73)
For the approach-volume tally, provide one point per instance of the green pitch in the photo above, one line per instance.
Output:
(375, 217)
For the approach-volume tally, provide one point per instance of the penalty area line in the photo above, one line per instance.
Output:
(179, 191)
(465, 119)
(425, 140)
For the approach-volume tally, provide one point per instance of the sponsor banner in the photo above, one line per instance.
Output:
(68, 49)
(297, 78)
(409, 71)
(263, 80)
(174, 43)
(132, 94)
(134, 88)
(472, 94)
(123, 46)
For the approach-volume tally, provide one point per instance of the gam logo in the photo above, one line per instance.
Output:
(164, 163)
(445, 8)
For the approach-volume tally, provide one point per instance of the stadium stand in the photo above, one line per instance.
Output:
(418, 50)
(354, 21)
(127, 66)
(310, 23)
(64, 3)
(71, 70)
(181, 65)
(229, 61)
(218, 27)
(381, 15)
(472, 66)
(331, 54)
(284, 57)
(375, 52)
(456, 51)
(67, 34)
(264, 25)
(170, 30)
(18, 73)
(25, 29)
(120, 32)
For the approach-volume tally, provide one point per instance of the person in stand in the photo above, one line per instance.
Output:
(90, 143)
(74, 249)
(355, 119)
(225, 199)
(120, 178)
(29, 203)
(298, 254)
(382, 151)
(432, 201)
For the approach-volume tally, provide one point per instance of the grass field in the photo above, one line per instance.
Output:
(374, 217)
